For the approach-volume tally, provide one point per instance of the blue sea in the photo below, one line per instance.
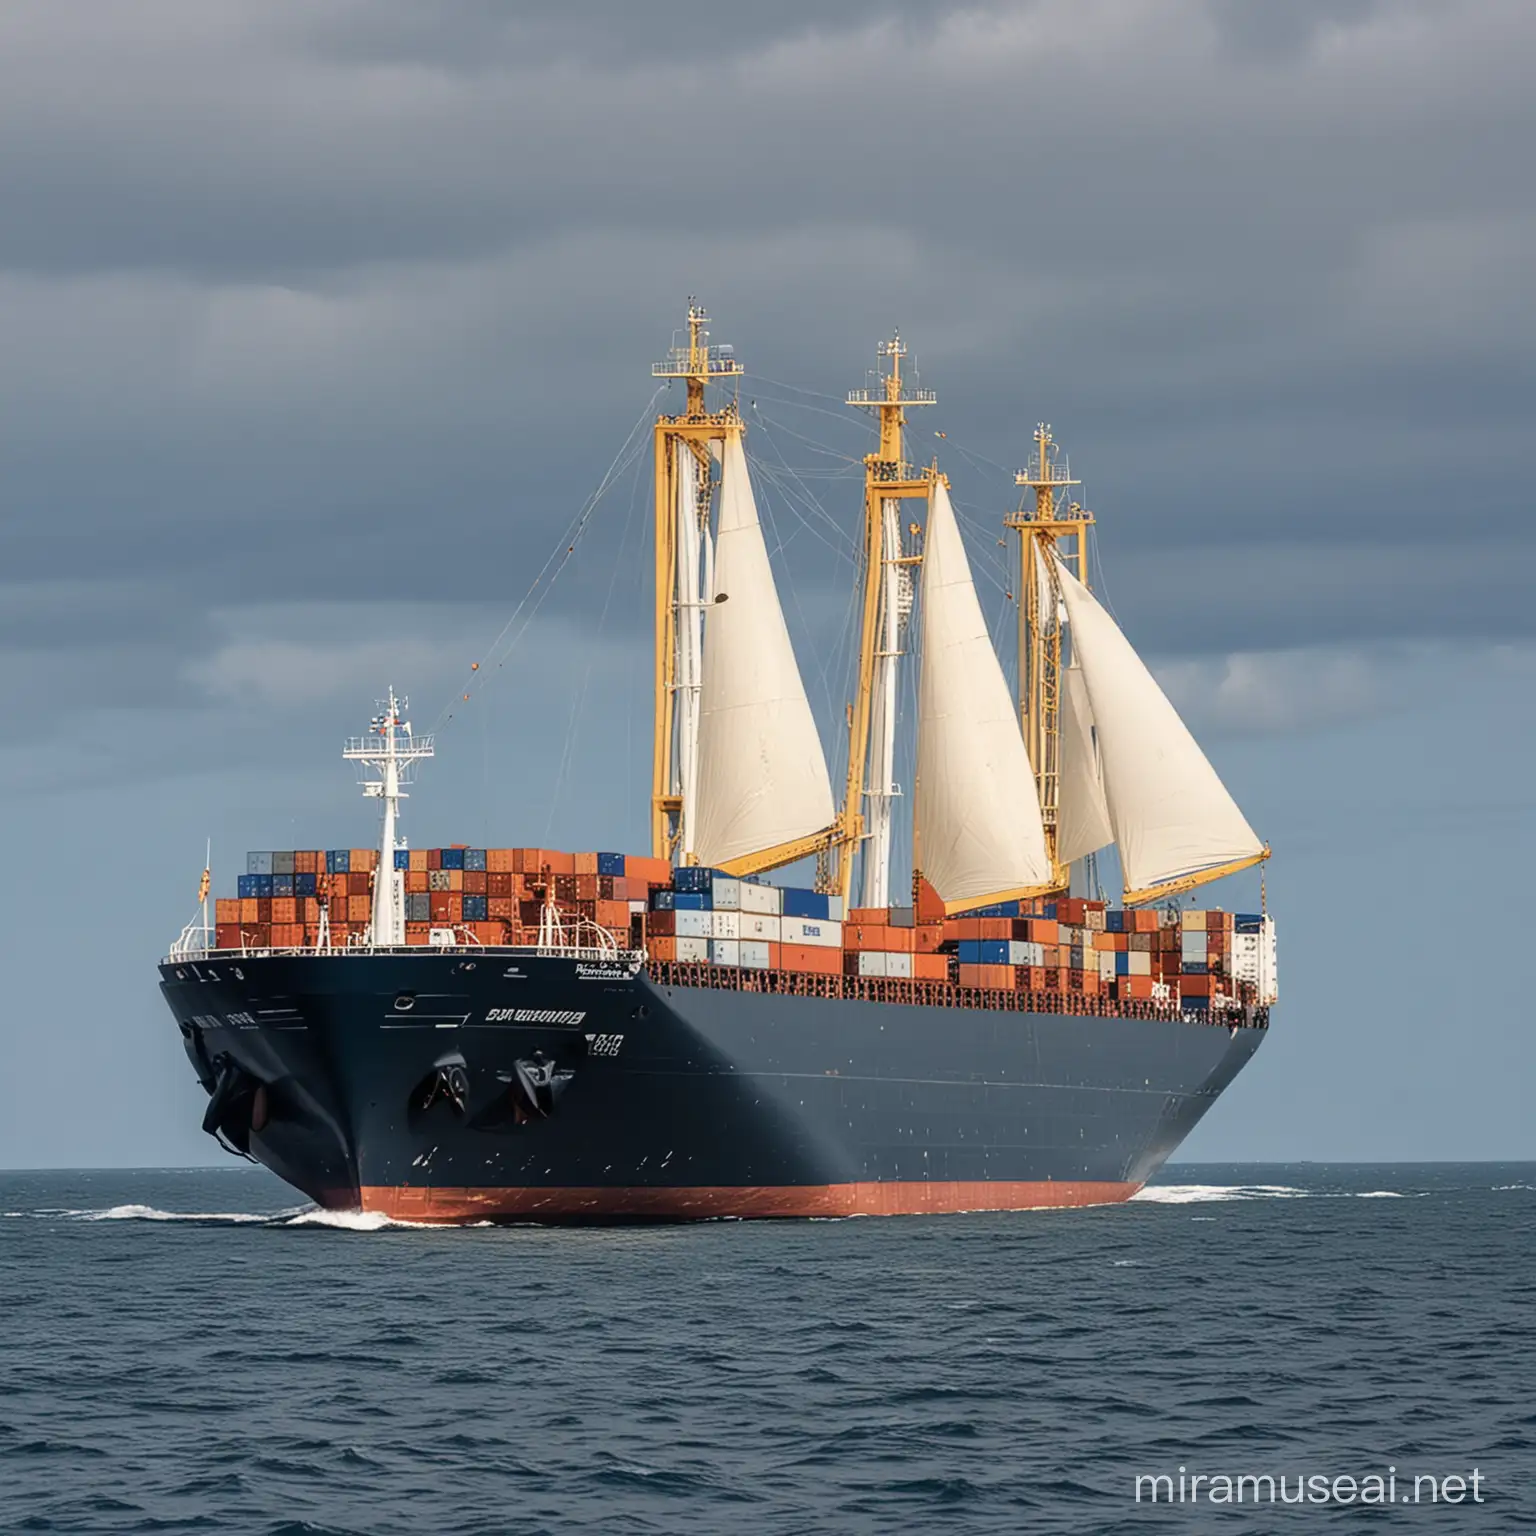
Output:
(197, 1351)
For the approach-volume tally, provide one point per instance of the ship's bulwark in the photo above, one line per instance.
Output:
(392, 1082)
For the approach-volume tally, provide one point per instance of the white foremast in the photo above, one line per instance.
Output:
(390, 751)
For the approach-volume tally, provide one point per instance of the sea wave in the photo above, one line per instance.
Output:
(1199, 1194)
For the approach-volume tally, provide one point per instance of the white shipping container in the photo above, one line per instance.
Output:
(724, 952)
(835, 909)
(725, 893)
(693, 948)
(811, 930)
(761, 898)
(693, 925)
(754, 953)
(1106, 964)
(1141, 962)
(898, 963)
(727, 925)
(872, 962)
(1192, 944)
(636, 906)
(760, 925)
(1025, 952)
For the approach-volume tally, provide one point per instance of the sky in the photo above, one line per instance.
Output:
(321, 322)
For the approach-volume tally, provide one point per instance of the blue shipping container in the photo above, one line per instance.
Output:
(1194, 968)
(1122, 962)
(303, 885)
(610, 863)
(339, 861)
(453, 858)
(474, 909)
(984, 952)
(245, 887)
(812, 904)
(402, 858)
(282, 885)
(1248, 922)
(661, 899)
(693, 878)
(691, 901)
(263, 884)
(1114, 922)
(474, 858)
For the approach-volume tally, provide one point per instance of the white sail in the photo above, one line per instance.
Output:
(762, 775)
(1172, 816)
(1083, 824)
(690, 641)
(978, 811)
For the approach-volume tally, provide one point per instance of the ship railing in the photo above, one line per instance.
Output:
(194, 938)
(631, 957)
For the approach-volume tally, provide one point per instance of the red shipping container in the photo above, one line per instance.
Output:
(227, 935)
(287, 935)
(586, 885)
(434, 858)
(661, 923)
(475, 882)
(442, 906)
(502, 908)
(498, 883)
(1071, 909)
(259, 935)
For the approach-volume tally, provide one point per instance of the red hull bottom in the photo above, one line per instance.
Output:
(703, 1203)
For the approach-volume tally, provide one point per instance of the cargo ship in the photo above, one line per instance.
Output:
(517, 1033)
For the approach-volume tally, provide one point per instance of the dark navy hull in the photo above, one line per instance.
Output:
(445, 1085)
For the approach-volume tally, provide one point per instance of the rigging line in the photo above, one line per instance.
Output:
(568, 540)
(850, 461)
(807, 497)
(578, 702)
(768, 473)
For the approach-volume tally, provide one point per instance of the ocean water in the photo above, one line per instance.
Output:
(194, 1351)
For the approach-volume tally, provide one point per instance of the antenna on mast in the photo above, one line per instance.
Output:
(391, 752)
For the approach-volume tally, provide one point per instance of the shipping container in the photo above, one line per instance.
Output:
(725, 952)
(694, 879)
(725, 894)
(474, 909)
(996, 977)
(867, 962)
(898, 963)
(760, 925)
(930, 966)
(815, 959)
(755, 954)
(806, 904)
(258, 863)
(690, 949)
(727, 925)
(799, 930)
(695, 925)
(338, 861)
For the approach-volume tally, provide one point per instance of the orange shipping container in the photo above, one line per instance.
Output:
(997, 977)
(878, 917)
(358, 909)
(1133, 987)
(285, 909)
(927, 938)
(613, 914)
(652, 871)
(418, 933)
(306, 861)
(416, 881)
(811, 957)
(501, 907)
(250, 911)
(416, 861)
(928, 965)
(498, 861)
(586, 885)
(226, 909)
(1043, 930)
(287, 935)
(662, 946)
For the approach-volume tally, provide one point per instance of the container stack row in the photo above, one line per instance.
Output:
(1197, 960)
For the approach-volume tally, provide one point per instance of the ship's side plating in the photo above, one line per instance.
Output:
(502, 1084)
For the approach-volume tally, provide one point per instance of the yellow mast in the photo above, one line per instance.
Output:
(697, 364)
(887, 477)
(1042, 528)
